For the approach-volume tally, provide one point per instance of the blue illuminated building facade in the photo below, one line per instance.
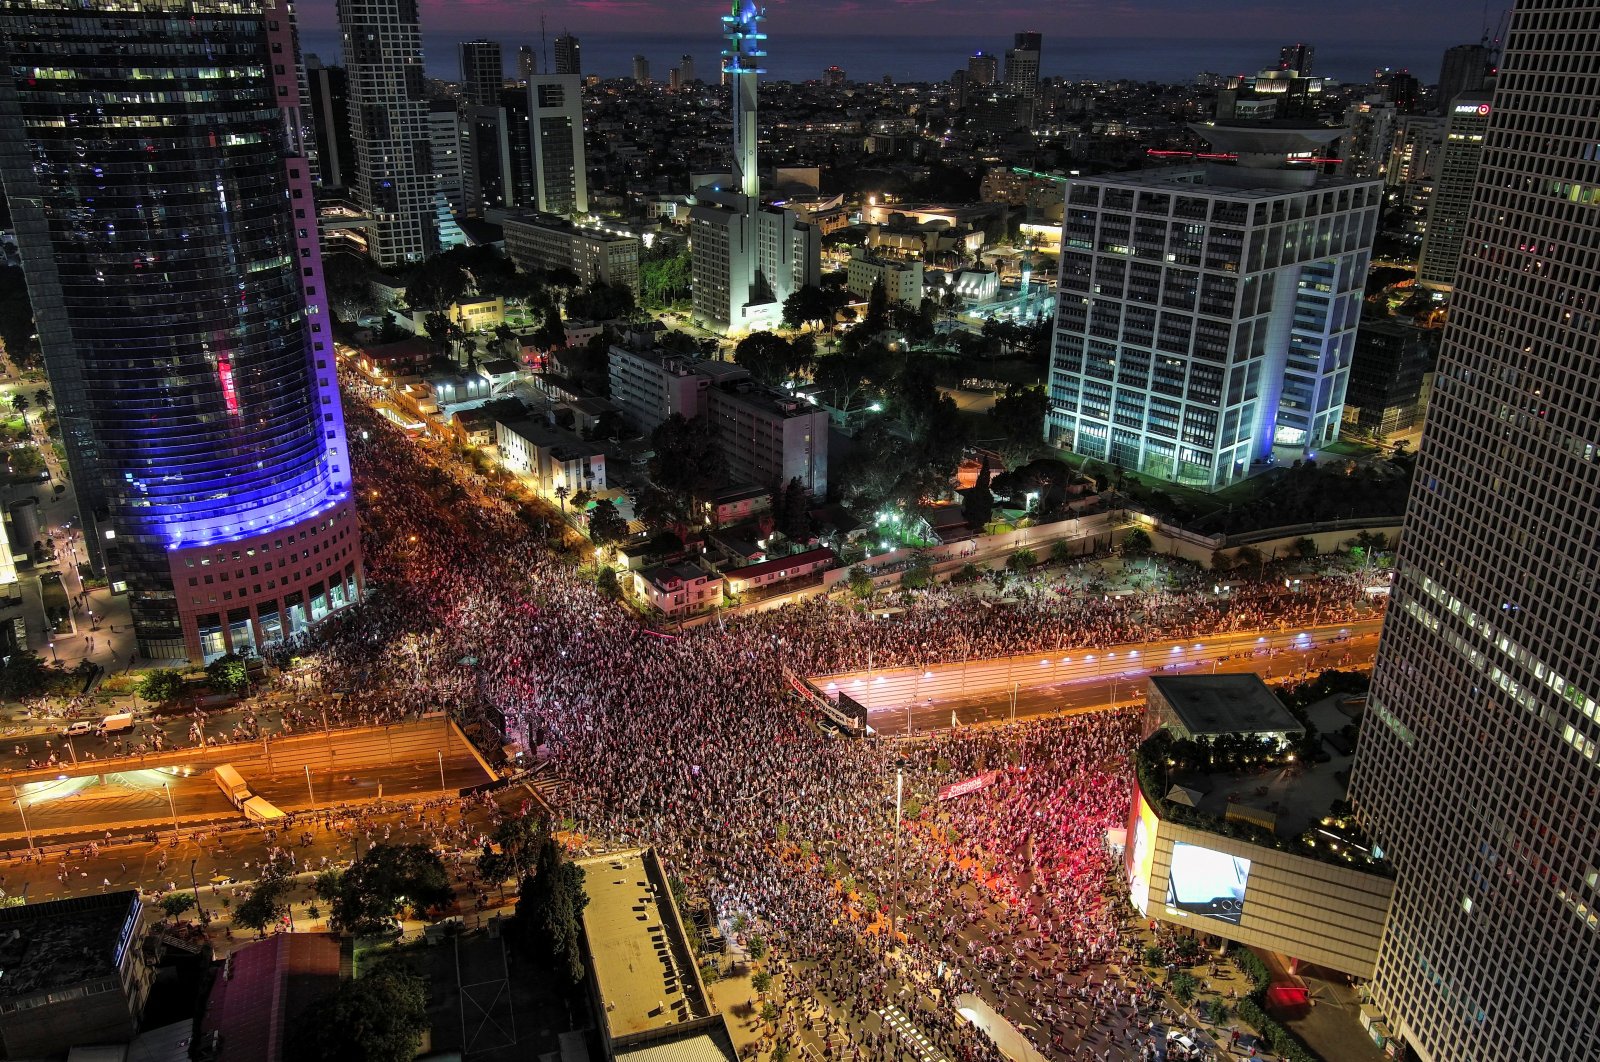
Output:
(158, 168)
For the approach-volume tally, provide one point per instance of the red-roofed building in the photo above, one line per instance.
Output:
(265, 988)
(771, 572)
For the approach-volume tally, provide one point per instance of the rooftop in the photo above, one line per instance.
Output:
(53, 945)
(1233, 182)
(1225, 704)
(271, 983)
(641, 959)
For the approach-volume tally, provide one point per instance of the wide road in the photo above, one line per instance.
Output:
(410, 761)
(910, 701)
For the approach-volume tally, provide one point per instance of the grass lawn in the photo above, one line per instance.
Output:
(1349, 448)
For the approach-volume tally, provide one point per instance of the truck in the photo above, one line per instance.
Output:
(260, 809)
(232, 784)
(116, 724)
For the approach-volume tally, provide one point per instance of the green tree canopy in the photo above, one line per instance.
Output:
(606, 525)
(378, 1017)
(771, 359)
(228, 674)
(550, 909)
(161, 685)
(687, 459)
(376, 886)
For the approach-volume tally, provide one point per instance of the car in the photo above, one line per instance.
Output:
(81, 728)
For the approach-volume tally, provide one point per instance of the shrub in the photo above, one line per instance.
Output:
(1184, 986)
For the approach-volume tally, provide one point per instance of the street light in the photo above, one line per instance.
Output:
(26, 830)
(442, 791)
(174, 809)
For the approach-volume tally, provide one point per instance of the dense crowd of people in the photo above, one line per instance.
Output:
(691, 743)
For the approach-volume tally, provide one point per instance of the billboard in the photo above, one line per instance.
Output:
(1141, 851)
(1206, 882)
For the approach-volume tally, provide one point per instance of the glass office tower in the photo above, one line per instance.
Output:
(155, 159)
(1479, 765)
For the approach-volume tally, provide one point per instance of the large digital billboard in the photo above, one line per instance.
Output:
(1141, 853)
(1204, 882)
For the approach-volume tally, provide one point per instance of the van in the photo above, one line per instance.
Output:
(81, 728)
(116, 724)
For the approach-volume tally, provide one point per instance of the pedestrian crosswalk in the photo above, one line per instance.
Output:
(920, 1045)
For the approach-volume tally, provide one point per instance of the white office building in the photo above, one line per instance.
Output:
(591, 250)
(1466, 123)
(1207, 314)
(390, 125)
(1478, 771)
(555, 110)
(444, 137)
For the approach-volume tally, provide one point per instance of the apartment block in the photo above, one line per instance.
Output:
(593, 251)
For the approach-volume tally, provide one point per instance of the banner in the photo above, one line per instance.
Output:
(970, 785)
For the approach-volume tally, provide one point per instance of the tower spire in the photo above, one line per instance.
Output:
(741, 60)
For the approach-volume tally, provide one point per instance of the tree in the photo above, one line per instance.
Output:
(25, 675)
(561, 492)
(373, 890)
(919, 571)
(1220, 560)
(550, 909)
(606, 525)
(518, 838)
(174, 904)
(1021, 560)
(20, 403)
(439, 329)
(794, 511)
(687, 459)
(378, 1017)
(772, 359)
(265, 904)
(808, 305)
(877, 308)
(978, 505)
(228, 674)
(347, 278)
(1136, 542)
(601, 301)
(860, 582)
(664, 281)
(438, 284)
(1019, 415)
(1305, 548)
(551, 333)
(162, 685)
(1250, 557)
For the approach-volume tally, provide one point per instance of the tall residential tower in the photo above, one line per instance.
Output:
(1477, 771)
(389, 121)
(169, 233)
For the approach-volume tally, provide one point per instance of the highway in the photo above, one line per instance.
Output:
(911, 700)
(314, 770)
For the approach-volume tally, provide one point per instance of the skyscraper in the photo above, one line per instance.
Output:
(1477, 772)
(169, 235)
(641, 70)
(1366, 149)
(1404, 91)
(389, 123)
(1022, 73)
(833, 77)
(569, 55)
(1207, 314)
(482, 76)
(560, 180)
(747, 257)
(527, 62)
(1465, 68)
(982, 69)
(1453, 189)
(1297, 57)
(445, 137)
(686, 69)
(330, 117)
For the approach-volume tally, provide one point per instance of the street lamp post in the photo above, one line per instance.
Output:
(172, 807)
(200, 912)
(26, 830)
(309, 791)
(442, 791)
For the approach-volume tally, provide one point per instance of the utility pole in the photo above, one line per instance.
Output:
(309, 791)
(174, 809)
(28, 832)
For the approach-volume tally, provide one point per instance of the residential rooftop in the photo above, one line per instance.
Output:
(49, 946)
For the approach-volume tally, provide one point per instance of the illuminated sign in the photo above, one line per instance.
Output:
(1204, 882)
(1480, 109)
(1141, 852)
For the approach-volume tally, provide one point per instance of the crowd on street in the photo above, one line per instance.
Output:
(692, 743)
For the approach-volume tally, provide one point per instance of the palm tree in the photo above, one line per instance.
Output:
(19, 402)
(561, 493)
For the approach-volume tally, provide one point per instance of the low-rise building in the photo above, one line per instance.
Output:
(902, 281)
(678, 589)
(474, 315)
(1201, 706)
(732, 505)
(781, 570)
(552, 457)
(593, 251)
(72, 972)
(269, 986)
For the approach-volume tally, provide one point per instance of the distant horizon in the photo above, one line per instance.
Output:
(934, 57)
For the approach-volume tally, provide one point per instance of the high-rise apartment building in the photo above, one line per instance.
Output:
(1477, 772)
(445, 135)
(482, 75)
(569, 55)
(1297, 57)
(686, 69)
(1465, 68)
(1414, 150)
(1404, 91)
(1022, 73)
(389, 122)
(527, 62)
(329, 103)
(1367, 147)
(169, 234)
(1453, 189)
(982, 69)
(1207, 314)
(641, 70)
(747, 257)
(560, 180)
(833, 77)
